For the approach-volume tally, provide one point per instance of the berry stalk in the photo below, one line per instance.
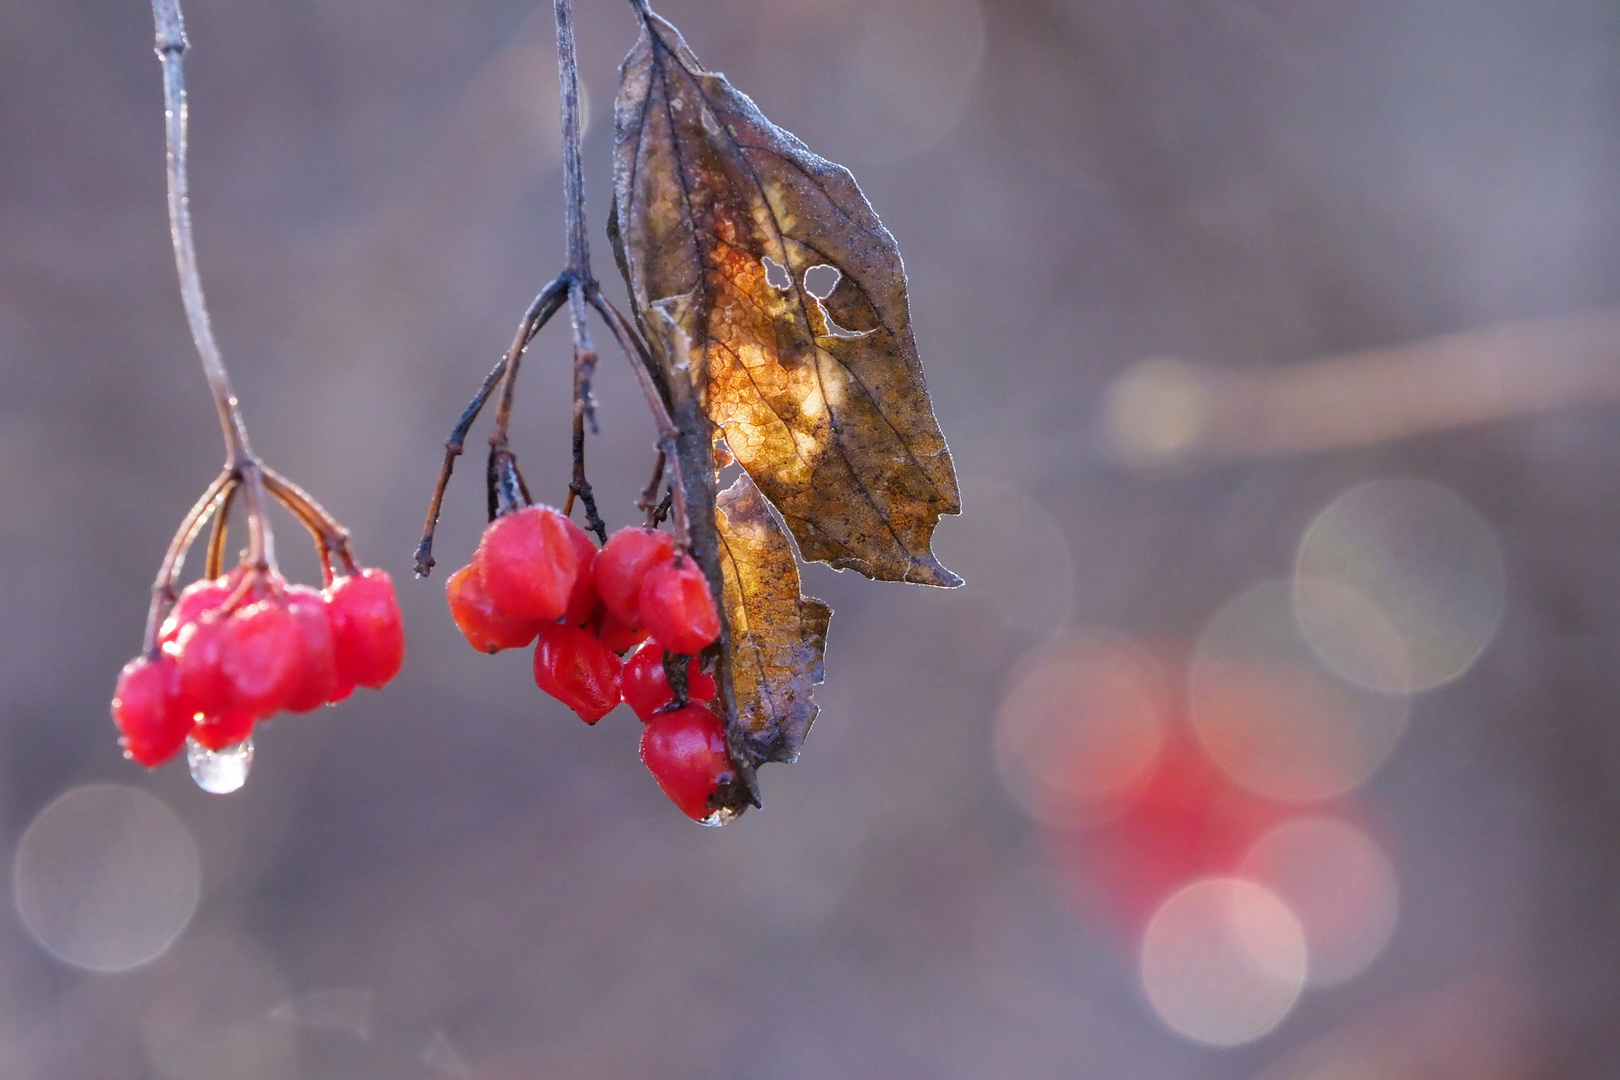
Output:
(171, 48)
(241, 466)
(576, 286)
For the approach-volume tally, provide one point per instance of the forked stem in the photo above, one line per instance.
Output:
(214, 564)
(540, 312)
(576, 286)
(240, 463)
(330, 536)
(668, 435)
(163, 588)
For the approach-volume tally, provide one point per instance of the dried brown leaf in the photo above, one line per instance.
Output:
(777, 637)
(720, 215)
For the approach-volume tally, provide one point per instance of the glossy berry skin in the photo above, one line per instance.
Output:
(622, 564)
(146, 707)
(485, 626)
(368, 634)
(195, 599)
(616, 636)
(677, 607)
(261, 657)
(645, 685)
(582, 601)
(685, 750)
(529, 563)
(219, 732)
(317, 656)
(575, 668)
(199, 652)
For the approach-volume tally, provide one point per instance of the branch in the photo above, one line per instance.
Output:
(171, 47)
(668, 435)
(579, 253)
(540, 312)
(163, 588)
(239, 459)
(577, 284)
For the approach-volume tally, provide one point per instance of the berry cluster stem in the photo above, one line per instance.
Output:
(171, 47)
(243, 470)
(578, 288)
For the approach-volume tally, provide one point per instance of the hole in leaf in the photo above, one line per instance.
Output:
(776, 275)
(722, 453)
(821, 280)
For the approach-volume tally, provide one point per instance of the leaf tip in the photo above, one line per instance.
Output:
(927, 570)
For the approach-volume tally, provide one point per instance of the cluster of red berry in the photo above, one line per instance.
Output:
(538, 575)
(240, 648)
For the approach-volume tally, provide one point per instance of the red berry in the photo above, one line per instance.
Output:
(529, 563)
(577, 670)
(198, 654)
(621, 564)
(582, 601)
(486, 627)
(616, 636)
(368, 633)
(677, 607)
(218, 732)
(646, 688)
(146, 707)
(195, 599)
(685, 750)
(260, 657)
(317, 658)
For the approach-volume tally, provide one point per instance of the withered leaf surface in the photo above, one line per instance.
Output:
(719, 216)
(778, 637)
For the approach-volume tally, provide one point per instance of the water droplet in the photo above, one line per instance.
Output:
(220, 772)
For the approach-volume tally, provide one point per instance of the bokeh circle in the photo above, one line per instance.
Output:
(106, 877)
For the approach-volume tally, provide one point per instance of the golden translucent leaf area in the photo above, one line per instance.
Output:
(778, 637)
(822, 401)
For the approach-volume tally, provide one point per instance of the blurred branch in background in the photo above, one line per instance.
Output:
(1164, 409)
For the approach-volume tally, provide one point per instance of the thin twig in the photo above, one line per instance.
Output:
(453, 447)
(677, 668)
(584, 410)
(503, 484)
(171, 47)
(163, 587)
(507, 492)
(240, 462)
(261, 553)
(214, 565)
(330, 536)
(540, 312)
(489, 486)
(579, 253)
(649, 496)
(668, 435)
(579, 262)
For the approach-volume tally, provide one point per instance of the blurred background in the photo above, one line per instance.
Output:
(1273, 736)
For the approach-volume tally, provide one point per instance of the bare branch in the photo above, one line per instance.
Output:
(171, 47)
(540, 312)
